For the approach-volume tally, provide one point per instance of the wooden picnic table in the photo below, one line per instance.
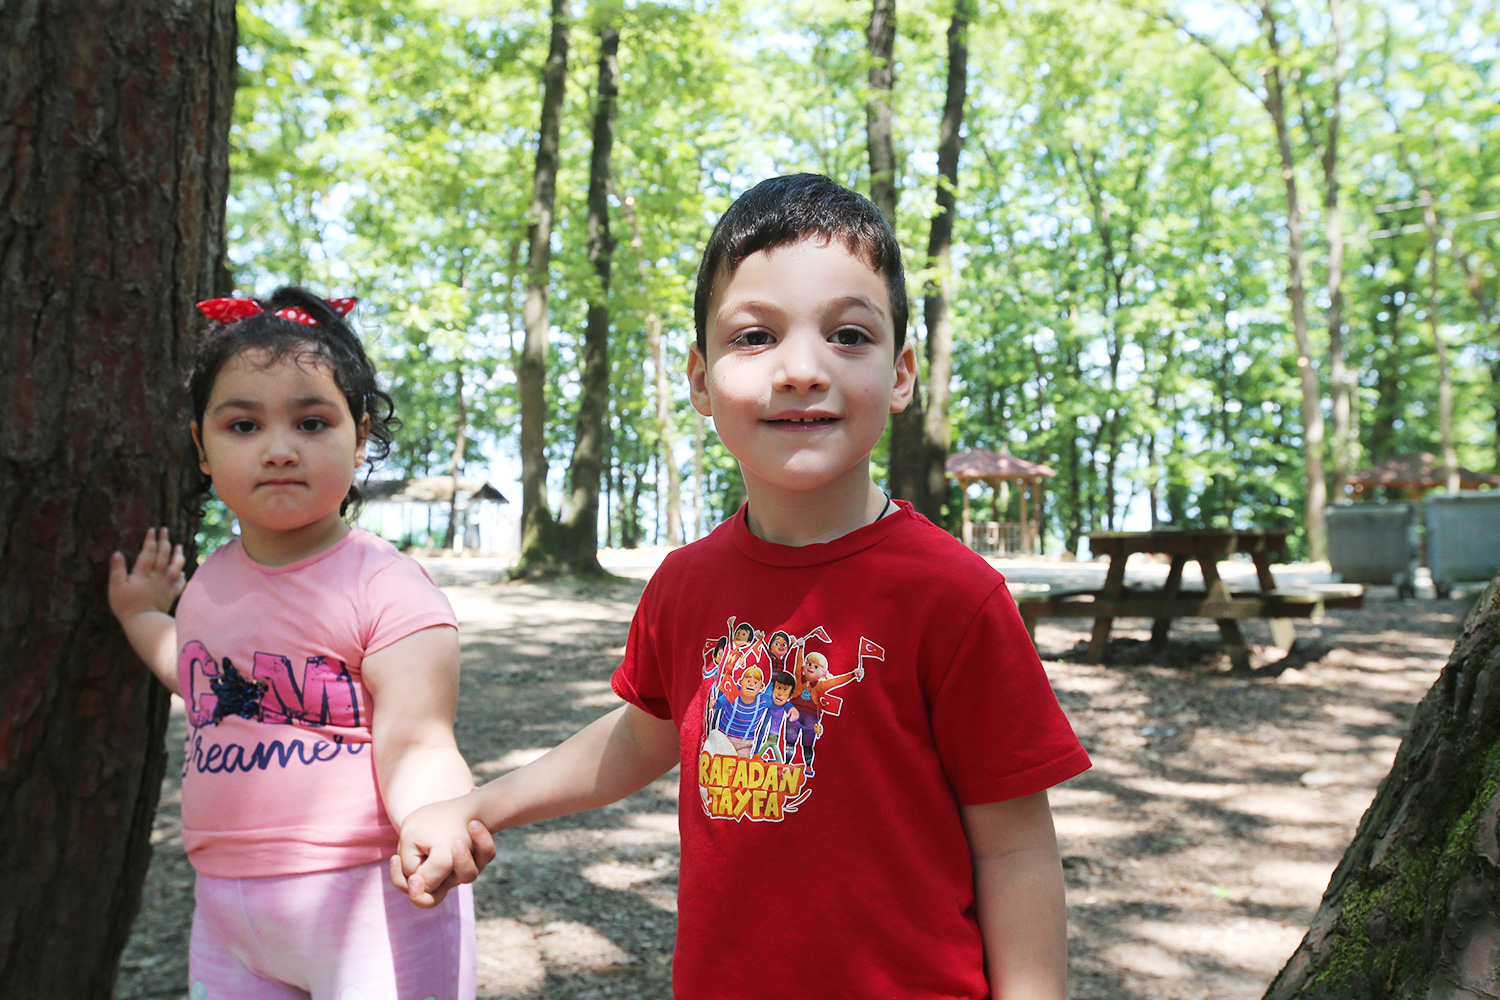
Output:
(1206, 546)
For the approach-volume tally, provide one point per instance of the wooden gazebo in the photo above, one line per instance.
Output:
(999, 469)
(1414, 476)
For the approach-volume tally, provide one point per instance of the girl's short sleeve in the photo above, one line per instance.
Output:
(400, 599)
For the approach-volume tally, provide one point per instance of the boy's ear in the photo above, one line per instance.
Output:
(362, 437)
(906, 378)
(198, 446)
(697, 375)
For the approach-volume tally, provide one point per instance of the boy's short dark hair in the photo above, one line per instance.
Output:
(784, 210)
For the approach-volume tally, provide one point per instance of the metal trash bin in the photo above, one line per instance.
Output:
(1374, 543)
(1463, 538)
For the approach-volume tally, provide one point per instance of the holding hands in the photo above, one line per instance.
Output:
(442, 846)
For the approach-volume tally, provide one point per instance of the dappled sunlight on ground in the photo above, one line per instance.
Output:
(1195, 850)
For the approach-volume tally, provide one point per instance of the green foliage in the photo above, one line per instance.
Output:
(1118, 287)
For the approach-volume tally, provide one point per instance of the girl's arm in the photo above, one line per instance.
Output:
(141, 597)
(608, 759)
(413, 686)
(1018, 884)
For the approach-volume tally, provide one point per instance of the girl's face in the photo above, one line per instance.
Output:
(281, 448)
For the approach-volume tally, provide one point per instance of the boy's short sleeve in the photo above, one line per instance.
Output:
(999, 730)
(401, 599)
(639, 678)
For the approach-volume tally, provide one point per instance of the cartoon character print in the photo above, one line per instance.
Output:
(326, 693)
(766, 705)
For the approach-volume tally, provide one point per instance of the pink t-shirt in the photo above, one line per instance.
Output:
(279, 776)
(832, 861)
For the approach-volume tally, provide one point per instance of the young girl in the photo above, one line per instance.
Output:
(319, 668)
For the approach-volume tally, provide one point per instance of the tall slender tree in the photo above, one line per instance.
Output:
(906, 473)
(538, 529)
(937, 316)
(114, 128)
(579, 537)
(1270, 86)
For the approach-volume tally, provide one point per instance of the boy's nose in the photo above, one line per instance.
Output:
(800, 363)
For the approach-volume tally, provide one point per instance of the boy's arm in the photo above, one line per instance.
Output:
(615, 755)
(141, 597)
(1018, 883)
(413, 686)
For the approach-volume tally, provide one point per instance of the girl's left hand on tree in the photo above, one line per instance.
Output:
(153, 583)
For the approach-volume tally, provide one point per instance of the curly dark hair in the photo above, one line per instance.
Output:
(331, 341)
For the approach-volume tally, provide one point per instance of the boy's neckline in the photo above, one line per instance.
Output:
(816, 553)
(808, 520)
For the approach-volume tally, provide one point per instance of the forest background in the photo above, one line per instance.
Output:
(1204, 259)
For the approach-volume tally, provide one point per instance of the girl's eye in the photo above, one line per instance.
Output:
(242, 426)
(311, 425)
(850, 336)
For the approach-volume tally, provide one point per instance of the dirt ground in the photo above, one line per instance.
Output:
(1196, 849)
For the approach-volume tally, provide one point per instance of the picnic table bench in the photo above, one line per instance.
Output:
(1216, 600)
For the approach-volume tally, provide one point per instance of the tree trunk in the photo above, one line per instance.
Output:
(666, 428)
(936, 436)
(1491, 315)
(114, 128)
(907, 476)
(1312, 407)
(579, 537)
(1333, 222)
(1411, 910)
(880, 36)
(460, 445)
(538, 532)
(1440, 347)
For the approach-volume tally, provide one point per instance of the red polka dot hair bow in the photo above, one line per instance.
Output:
(232, 310)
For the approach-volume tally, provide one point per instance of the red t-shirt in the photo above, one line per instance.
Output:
(850, 878)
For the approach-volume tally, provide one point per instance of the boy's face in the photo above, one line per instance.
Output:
(801, 372)
(781, 693)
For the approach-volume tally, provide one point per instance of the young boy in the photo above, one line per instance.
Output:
(933, 867)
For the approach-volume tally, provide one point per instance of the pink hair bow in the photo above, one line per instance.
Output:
(232, 310)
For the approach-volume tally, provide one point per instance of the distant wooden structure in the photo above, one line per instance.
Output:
(998, 469)
(1414, 476)
(398, 508)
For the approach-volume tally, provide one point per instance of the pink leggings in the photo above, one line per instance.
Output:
(345, 934)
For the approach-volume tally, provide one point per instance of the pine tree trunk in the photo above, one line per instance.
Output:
(538, 531)
(579, 536)
(114, 128)
(1413, 909)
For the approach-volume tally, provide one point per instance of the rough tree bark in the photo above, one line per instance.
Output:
(578, 548)
(114, 128)
(1413, 909)
(538, 530)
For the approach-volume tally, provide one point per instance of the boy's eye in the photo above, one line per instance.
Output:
(850, 336)
(753, 338)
